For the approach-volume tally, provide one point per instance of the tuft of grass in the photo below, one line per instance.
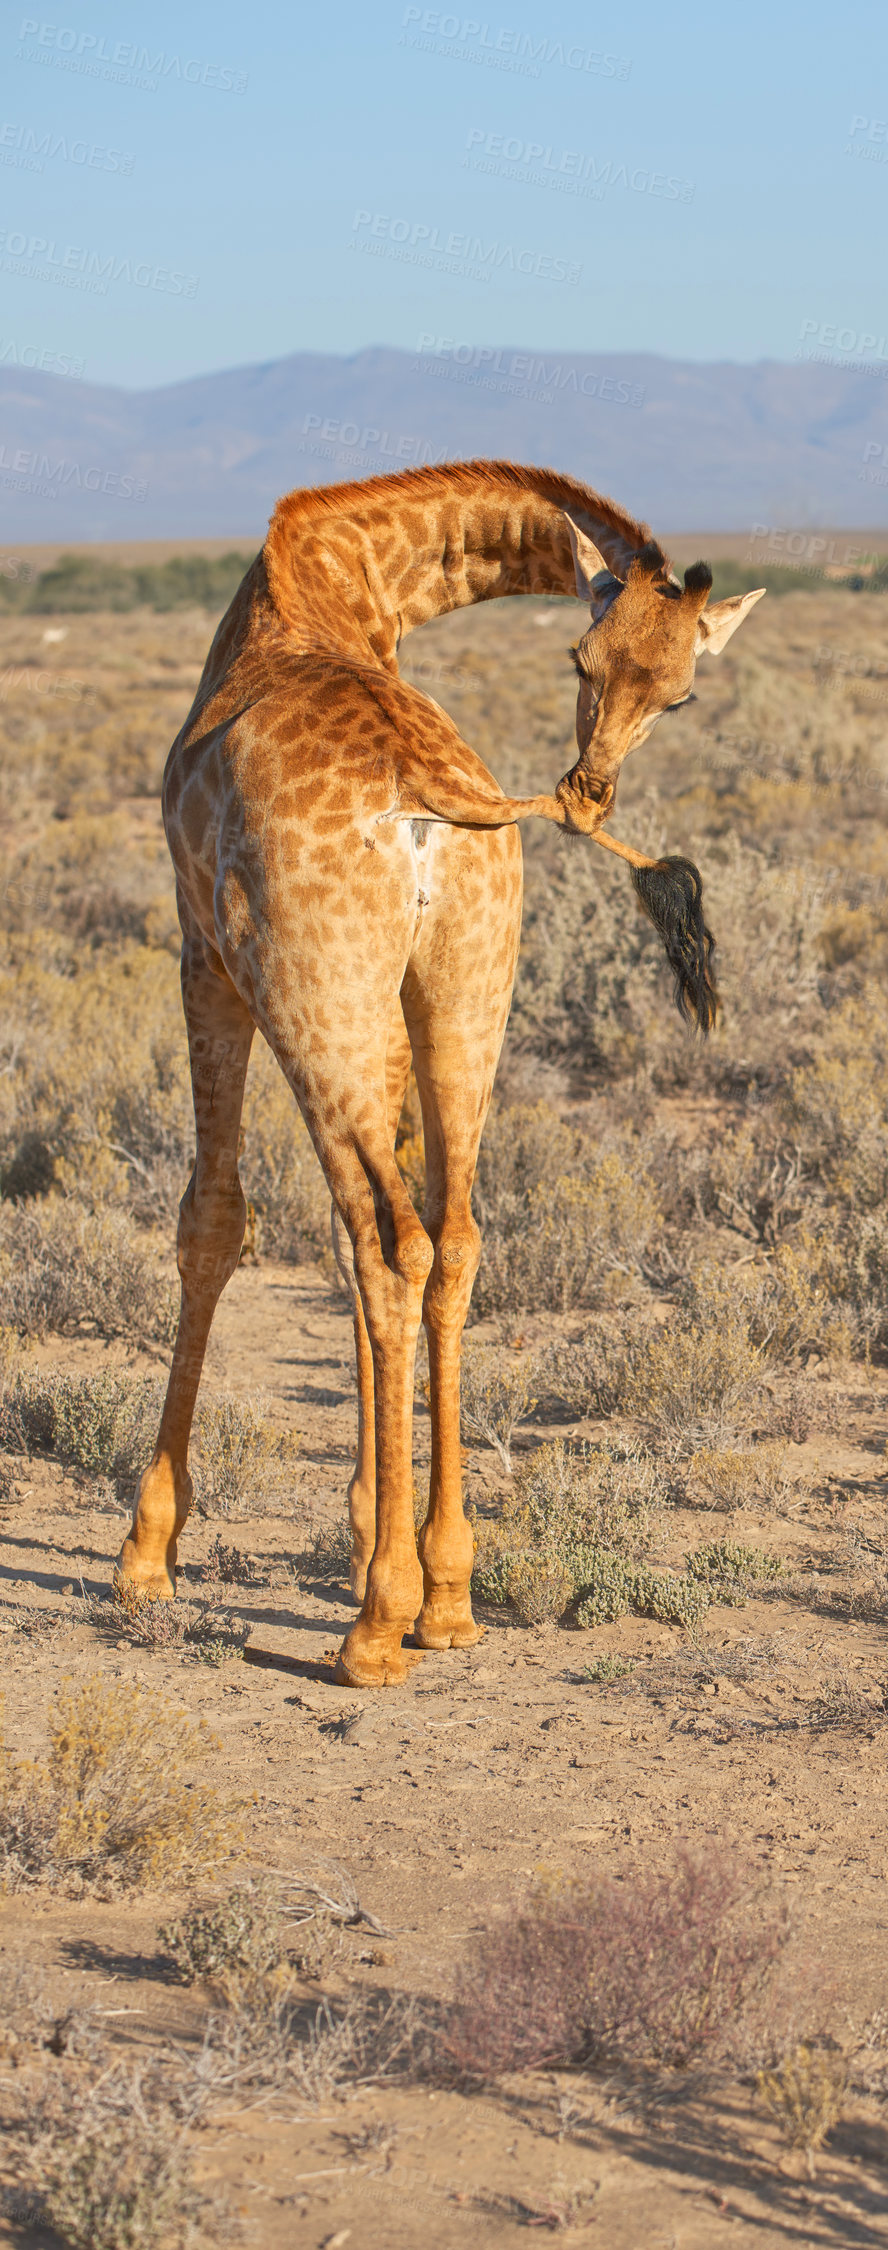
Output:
(230, 1566)
(245, 1463)
(607, 1667)
(496, 1396)
(113, 1804)
(805, 2092)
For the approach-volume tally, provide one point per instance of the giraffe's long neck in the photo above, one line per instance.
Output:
(361, 565)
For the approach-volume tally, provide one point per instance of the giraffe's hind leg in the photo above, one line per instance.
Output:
(211, 1228)
(362, 1488)
(456, 997)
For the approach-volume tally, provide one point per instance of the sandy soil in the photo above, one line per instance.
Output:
(444, 1798)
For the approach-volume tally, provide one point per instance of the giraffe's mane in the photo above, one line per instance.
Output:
(311, 504)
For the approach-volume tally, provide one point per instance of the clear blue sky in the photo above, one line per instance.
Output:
(730, 205)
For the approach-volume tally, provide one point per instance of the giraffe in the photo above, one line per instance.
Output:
(349, 882)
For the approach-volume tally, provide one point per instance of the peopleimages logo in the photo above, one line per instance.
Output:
(24, 470)
(535, 164)
(467, 39)
(121, 60)
(40, 359)
(414, 243)
(38, 258)
(494, 369)
(29, 150)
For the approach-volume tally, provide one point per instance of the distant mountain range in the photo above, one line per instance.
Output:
(689, 446)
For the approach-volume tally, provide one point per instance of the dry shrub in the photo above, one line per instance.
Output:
(568, 1504)
(107, 2173)
(230, 1566)
(113, 1804)
(839, 1706)
(69, 1269)
(700, 1379)
(264, 2039)
(96, 1100)
(496, 1396)
(728, 1478)
(255, 1940)
(571, 1240)
(279, 1169)
(805, 2093)
(592, 1373)
(867, 1555)
(752, 1181)
(245, 1463)
(836, 1108)
(102, 1425)
(204, 1630)
(662, 1968)
(573, 1538)
(243, 1934)
(329, 1553)
(806, 1300)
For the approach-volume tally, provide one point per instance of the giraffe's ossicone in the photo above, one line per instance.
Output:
(349, 882)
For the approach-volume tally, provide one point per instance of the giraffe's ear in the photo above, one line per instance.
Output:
(719, 620)
(588, 563)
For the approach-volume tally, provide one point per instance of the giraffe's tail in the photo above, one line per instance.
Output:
(671, 893)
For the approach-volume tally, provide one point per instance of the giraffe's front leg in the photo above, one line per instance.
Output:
(211, 1229)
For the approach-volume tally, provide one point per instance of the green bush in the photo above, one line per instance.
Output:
(729, 1569)
(78, 582)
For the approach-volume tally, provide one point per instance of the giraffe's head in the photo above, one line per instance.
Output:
(638, 658)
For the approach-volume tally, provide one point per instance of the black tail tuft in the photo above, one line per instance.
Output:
(672, 894)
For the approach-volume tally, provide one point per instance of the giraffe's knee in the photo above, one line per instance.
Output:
(392, 1284)
(414, 1254)
(457, 1257)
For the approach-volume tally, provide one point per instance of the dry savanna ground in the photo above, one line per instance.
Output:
(582, 1929)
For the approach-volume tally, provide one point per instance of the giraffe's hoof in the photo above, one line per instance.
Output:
(374, 1659)
(150, 1578)
(357, 1579)
(447, 1624)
